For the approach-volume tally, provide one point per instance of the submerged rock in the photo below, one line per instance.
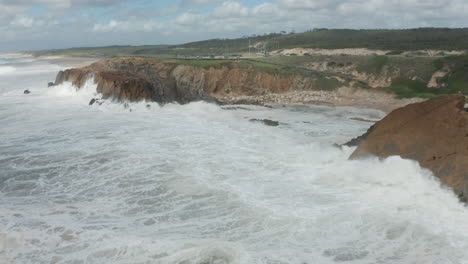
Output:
(434, 133)
(26, 92)
(267, 122)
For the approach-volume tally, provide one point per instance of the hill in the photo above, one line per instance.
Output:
(392, 40)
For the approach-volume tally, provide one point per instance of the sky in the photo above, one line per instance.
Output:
(52, 24)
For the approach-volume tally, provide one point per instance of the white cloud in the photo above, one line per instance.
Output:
(126, 26)
(189, 20)
(231, 9)
(201, 2)
(23, 22)
(306, 4)
(108, 27)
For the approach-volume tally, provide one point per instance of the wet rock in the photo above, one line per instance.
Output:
(362, 119)
(50, 84)
(357, 140)
(235, 108)
(92, 101)
(27, 92)
(434, 133)
(266, 122)
(148, 106)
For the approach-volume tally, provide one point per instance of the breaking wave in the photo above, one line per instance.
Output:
(200, 183)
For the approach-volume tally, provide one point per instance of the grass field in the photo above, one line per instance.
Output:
(395, 41)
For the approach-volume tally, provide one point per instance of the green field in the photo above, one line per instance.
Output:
(395, 41)
(413, 73)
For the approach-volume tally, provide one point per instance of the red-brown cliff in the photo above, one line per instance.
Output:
(434, 133)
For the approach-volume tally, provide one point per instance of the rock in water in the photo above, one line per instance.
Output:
(26, 92)
(356, 141)
(267, 122)
(92, 101)
(50, 84)
(434, 133)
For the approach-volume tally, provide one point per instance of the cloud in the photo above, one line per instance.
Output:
(62, 23)
(201, 2)
(306, 4)
(231, 9)
(60, 3)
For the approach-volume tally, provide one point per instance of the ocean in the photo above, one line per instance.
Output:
(201, 183)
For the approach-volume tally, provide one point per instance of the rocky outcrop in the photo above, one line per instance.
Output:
(137, 79)
(358, 140)
(434, 133)
(266, 122)
(132, 80)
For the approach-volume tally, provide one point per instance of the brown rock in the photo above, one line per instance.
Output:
(136, 79)
(434, 133)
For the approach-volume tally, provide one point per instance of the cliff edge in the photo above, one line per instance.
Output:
(434, 133)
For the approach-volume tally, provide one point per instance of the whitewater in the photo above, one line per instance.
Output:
(200, 183)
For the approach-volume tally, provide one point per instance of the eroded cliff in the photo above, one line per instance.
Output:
(434, 133)
(137, 79)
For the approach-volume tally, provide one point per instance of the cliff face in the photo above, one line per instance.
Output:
(137, 79)
(131, 80)
(434, 133)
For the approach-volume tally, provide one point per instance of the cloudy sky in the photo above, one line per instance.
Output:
(48, 24)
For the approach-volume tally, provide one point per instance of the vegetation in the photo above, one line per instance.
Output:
(395, 40)
(411, 88)
(378, 62)
(456, 80)
(410, 39)
(328, 83)
(206, 64)
(413, 72)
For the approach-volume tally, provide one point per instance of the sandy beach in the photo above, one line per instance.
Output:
(74, 62)
(65, 61)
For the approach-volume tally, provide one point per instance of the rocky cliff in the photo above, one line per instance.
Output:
(434, 133)
(137, 79)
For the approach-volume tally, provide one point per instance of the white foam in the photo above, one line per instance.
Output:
(198, 184)
(7, 70)
(67, 89)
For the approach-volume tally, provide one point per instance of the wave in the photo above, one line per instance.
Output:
(196, 183)
(4, 70)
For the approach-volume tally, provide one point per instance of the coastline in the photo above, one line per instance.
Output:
(73, 62)
(343, 96)
(61, 60)
(65, 61)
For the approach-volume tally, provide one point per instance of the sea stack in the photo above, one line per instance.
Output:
(434, 133)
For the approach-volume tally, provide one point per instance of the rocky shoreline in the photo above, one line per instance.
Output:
(433, 132)
(136, 79)
(342, 97)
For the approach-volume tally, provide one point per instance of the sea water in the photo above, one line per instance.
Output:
(201, 183)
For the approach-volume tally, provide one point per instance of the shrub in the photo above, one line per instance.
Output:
(439, 64)
(328, 84)
(411, 88)
(378, 62)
